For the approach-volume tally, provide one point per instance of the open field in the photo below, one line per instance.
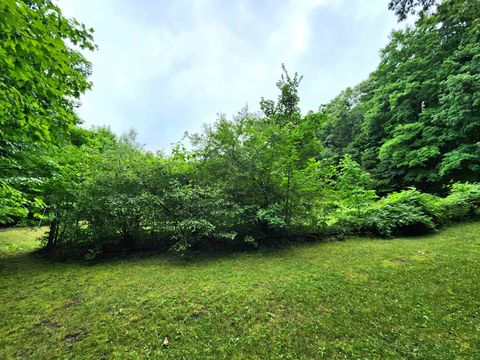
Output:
(369, 298)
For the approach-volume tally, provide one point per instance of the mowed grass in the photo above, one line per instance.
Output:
(13, 241)
(361, 298)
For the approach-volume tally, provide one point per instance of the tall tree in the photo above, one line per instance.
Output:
(42, 75)
(343, 121)
(421, 122)
(266, 163)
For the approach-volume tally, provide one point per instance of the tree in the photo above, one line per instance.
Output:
(430, 81)
(420, 123)
(353, 184)
(403, 8)
(267, 163)
(68, 166)
(42, 75)
(344, 117)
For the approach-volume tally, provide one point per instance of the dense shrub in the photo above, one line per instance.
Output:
(197, 215)
(252, 180)
(462, 203)
(398, 219)
(405, 212)
(411, 212)
(350, 221)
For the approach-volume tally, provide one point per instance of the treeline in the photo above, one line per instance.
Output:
(246, 182)
(350, 168)
(416, 120)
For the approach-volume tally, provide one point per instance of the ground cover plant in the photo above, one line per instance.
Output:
(360, 298)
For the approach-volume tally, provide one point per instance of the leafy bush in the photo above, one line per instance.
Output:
(462, 203)
(254, 180)
(398, 219)
(406, 212)
(271, 218)
(196, 215)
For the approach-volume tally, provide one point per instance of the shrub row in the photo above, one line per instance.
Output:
(411, 212)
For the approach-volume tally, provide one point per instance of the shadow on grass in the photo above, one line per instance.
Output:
(41, 258)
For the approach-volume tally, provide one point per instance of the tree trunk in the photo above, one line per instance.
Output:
(53, 231)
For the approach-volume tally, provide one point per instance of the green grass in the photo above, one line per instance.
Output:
(361, 298)
(19, 240)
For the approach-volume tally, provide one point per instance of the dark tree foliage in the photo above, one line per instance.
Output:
(420, 115)
(403, 8)
(343, 122)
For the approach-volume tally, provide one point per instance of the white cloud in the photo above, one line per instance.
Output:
(166, 67)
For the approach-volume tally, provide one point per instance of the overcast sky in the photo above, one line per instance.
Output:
(165, 67)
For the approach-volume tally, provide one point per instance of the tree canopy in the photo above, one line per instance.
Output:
(415, 121)
(42, 75)
(404, 8)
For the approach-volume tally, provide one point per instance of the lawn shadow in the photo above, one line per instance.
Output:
(281, 247)
(35, 261)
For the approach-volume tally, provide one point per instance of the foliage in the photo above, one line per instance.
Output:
(247, 178)
(411, 212)
(343, 121)
(119, 197)
(404, 213)
(97, 196)
(353, 182)
(256, 178)
(42, 75)
(462, 203)
(12, 203)
(415, 121)
(408, 212)
(403, 8)
(198, 215)
(266, 164)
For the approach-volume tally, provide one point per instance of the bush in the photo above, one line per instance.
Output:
(403, 213)
(407, 212)
(351, 221)
(196, 215)
(463, 203)
(399, 219)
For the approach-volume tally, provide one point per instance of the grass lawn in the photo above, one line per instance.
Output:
(362, 298)
(14, 241)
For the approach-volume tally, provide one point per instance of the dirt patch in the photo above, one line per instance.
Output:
(197, 315)
(399, 261)
(75, 336)
(49, 324)
(74, 301)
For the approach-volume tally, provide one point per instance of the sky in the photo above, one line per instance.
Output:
(166, 67)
